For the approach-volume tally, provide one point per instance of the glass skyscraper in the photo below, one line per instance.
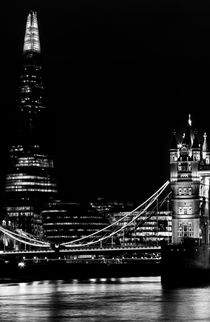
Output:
(30, 182)
(31, 199)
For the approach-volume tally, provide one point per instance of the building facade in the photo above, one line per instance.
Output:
(190, 179)
(68, 221)
(30, 182)
(152, 229)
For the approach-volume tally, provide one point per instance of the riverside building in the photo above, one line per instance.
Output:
(67, 221)
(152, 231)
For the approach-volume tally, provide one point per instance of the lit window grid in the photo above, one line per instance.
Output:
(23, 176)
(32, 183)
(21, 189)
(31, 40)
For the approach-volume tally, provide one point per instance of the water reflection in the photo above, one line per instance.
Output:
(186, 303)
(124, 299)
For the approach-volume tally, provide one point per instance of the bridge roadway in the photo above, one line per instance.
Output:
(109, 251)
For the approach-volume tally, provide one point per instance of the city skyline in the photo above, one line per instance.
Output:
(113, 101)
(105, 166)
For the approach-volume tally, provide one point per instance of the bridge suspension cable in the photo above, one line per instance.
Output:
(24, 238)
(141, 220)
(114, 228)
(104, 234)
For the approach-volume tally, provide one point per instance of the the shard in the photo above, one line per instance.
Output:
(30, 183)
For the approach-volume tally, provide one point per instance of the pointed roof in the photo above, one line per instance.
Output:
(189, 120)
(31, 40)
(205, 145)
(195, 141)
(188, 135)
(186, 138)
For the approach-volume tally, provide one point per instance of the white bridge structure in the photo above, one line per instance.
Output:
(105, 238)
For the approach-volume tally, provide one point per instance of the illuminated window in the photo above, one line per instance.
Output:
(185, 210)
(189, 210)
(185, 175)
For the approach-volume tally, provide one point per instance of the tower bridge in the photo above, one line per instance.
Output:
(189, 202)
(31, 189)
(107, 240)
(34, 220)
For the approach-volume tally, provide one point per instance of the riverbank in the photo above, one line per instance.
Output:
(64, 269)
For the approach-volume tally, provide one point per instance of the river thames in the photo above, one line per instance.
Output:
(124, 299)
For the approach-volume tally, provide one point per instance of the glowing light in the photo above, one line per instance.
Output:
(103, 279)
(92, 280)
(31, 40)
(189, 120)
(21, 265)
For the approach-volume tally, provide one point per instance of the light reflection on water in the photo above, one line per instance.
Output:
(124, 299)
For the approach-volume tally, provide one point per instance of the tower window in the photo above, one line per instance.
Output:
(185, 210)
(184, 175)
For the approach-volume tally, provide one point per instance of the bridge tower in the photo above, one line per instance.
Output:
(190, 179)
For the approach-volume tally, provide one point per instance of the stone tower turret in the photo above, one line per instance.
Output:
(185, 186)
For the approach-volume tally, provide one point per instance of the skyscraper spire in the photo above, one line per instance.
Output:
(30, 93)
(30, 183)
(31, 40)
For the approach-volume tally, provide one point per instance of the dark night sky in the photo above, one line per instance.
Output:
(119, 76)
